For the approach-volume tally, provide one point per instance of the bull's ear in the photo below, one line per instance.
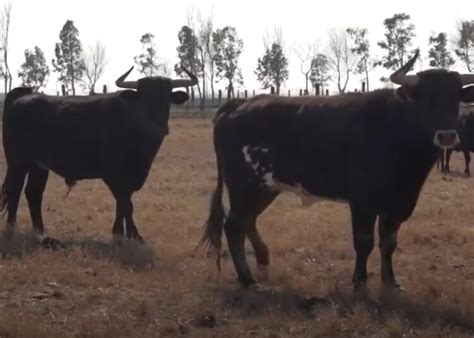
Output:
(405, 93)
(467, 94)
(179, 97)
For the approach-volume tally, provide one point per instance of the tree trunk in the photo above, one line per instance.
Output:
(203, 98)
(307, 81)
(212, 82)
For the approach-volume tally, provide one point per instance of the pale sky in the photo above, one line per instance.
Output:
(119, 25)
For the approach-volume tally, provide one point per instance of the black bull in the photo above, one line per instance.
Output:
(114, 137)
(353, 148)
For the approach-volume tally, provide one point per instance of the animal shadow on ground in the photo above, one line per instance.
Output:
(381, 305)
(130, 253)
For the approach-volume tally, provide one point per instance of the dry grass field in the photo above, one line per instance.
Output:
(98, 288)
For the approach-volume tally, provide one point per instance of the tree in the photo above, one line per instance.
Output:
(341, 60)
(147, 61)
(34, 70)
(306, 54)
(228, 47)
(320, 71)
(439, 55)
(206, 29)
(188, 53)
(69, 62)
(95, 62)
(361, 48)
(398, 34)
(4, 35)
(203, 28)
(465, 43)
(272, 68)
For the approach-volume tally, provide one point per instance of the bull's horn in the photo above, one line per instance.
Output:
(185, 82)
(400, 77)
(467, 79)
(126, 84)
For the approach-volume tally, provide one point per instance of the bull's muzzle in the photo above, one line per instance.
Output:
(446, 138)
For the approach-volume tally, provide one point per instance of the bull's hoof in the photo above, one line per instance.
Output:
(247, 282)
(360, 289)
(260, 288)
(52, 244)
(393, 287)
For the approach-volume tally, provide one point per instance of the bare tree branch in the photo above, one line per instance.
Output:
(306, 53)
(340, 58)
(4, 35)
(95, 61)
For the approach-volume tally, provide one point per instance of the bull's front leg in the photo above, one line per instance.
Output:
(363, 223)
(124, 226)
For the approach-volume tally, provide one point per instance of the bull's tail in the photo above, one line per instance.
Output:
(212, 237)
(3, 200)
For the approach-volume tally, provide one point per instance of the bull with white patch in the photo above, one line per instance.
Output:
(372, 150)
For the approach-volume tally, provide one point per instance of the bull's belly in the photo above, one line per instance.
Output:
(303, 177)
(73, 170)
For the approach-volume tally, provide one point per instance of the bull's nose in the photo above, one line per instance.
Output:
(446, 138)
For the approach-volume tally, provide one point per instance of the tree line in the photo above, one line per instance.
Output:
(213, 53)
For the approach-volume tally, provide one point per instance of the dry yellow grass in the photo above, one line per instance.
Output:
(98, 288)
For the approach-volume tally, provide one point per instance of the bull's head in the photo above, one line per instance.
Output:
(155, 94)
(436, 94)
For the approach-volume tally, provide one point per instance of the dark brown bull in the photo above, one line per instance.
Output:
(114, 137)
(373, 150)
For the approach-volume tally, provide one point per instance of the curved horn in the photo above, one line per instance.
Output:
(467, 79)
(185, 82)
(400, 77)
(126, 84)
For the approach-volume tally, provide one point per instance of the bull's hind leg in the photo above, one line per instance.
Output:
(14, 181)
(235, 228)
(35, 185)
(467, 161)
(246, 202)
(388, 230)
(261, 249)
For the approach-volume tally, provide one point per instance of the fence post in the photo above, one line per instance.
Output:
(318, 89)
(363, 87)
(238, 93)
(104, 89)
(327, 92)
(246, 93)
(63, 90)
(289, 93)
(219, 96)
(253, 93)
(301, 92)
(272, 90)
